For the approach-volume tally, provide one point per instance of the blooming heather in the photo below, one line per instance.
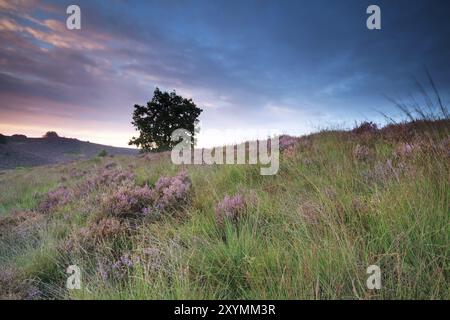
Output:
(146, 211)
(128, 201)
(104, 270)
(121, 267)
(115, 176)
(287, 142)
(106, 177)
(171, 191)
(54, 198)
(383, 172)
(230, 208)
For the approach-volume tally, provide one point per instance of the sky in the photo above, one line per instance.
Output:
(253, 66)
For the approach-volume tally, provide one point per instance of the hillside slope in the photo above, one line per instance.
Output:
(143, 228)
(20, 151)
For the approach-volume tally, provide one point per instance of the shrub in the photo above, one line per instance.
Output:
(286, 142)
(125, 262)
(172, 191)
(230, 208)
(128, 201)
(103, 229)
(14, 287)
(75, 173)
(103, 153)
(21, 224)
(115, 177)
(366, 128)
(118, 269)
(108, 177)
(54, 198)
(10, 221)
(383, 172)
(91, 237)
(398, 132)
(131, 201)
(19, 137)
(50, 135)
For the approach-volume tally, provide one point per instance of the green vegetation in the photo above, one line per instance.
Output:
(340, 202)
(103, 153)
(162, 115)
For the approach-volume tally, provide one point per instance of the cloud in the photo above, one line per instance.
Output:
(248, 64)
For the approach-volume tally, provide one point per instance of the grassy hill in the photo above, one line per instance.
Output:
(140, 227)
(20, 151)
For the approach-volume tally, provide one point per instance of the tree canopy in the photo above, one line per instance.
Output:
(156, 121)
(51, 134)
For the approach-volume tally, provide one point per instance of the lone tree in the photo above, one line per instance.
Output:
(50, 134)
(165, 113)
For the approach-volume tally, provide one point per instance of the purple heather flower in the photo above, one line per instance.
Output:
(286, 142)
(54, 198)
(104, 273)
(146, 211)
(129, 200)
(33, 293)
(230, 208)
(172, 191)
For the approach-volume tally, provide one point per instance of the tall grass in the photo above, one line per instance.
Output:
(309, 232)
